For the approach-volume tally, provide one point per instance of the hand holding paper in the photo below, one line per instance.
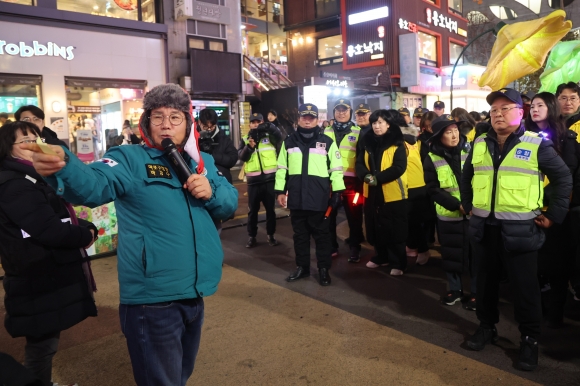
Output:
(46, 159)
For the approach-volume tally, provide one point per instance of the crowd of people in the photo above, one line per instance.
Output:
(499, 193)
(498, 190)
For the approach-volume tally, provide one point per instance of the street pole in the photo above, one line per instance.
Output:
(495, 30)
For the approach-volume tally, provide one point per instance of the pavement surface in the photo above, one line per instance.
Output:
(367, 328)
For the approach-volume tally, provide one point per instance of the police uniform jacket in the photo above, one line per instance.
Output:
(305, 191)
(168, 246)
(520, 234)
(245, 152)
(45, 288)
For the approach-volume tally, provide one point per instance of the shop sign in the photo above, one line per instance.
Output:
(11, 104)
(439, 20)
(333, 75)
(25, 51)
(200, 10)
(85, 109)
(85, 150)
(337, 83)
(363, 32)
(404, 24)
(342, 83)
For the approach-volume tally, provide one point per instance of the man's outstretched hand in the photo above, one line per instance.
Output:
(45, 164)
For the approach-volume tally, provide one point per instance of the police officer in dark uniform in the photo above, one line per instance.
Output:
(363, 114)
(417, 115)
(258, 151)
(310, 171)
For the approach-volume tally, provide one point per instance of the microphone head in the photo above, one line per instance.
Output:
(167, 144)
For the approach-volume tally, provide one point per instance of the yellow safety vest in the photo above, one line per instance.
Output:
(518, 180)
(347, 149)
(392, 191)
(447, 182)
(263, 159)
(415, 175)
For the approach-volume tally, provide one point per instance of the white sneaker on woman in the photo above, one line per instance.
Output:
(396, 272)
(370, 264)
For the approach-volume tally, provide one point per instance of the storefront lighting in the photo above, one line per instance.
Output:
(328, 91)
(56, 107)
(308, 39)
(243, 27)
(337, 91)
(345, 92)
(373, 14)
(301, 40)
(293, 42)
(96, 7)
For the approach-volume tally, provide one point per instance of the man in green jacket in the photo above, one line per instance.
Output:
(310, 171)
(169, 252)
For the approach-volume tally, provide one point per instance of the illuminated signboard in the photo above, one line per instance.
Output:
(9, 104)
(363, 32)
(439, 20)
(404, 24)
(26, 50)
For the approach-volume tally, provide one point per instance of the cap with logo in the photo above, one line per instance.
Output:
(308, 109)
(363, 108)
(508, 93)
(256, 117)
(342, 102)
(438, 105)
(440, 123)
(419, 111)
(404, 111)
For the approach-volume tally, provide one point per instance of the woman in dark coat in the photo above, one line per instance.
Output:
(443, 167)
(47, 281)
(381, 163)
(556, 258)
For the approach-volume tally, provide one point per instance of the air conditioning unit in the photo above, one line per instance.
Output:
(185, 83)
(183, 9)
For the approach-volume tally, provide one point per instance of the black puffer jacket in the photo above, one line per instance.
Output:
(46, 289)
(51, 138)
(224, 153)
(453, 235)
(521, 234)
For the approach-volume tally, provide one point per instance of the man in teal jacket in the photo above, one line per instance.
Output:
(169, 252)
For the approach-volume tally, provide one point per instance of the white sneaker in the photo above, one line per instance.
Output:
(370, 264)
(423, 257)
(396, 272)
(411, 252)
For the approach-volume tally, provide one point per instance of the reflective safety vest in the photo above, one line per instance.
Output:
(447, 182)
(347, 149)
(519, 190)
(415, 175)
(392, 191)
(263, 159)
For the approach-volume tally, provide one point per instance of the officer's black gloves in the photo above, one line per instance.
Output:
(334, 201)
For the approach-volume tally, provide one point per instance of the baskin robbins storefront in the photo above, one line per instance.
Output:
(87, 83)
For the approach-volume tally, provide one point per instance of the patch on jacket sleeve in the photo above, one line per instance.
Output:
(523, 154)
(158, 171)
(108, 161)
(337, 154)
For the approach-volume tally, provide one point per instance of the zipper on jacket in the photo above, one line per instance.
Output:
(144, 258)
(185, 193)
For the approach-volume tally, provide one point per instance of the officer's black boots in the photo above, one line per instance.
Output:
(528, 359)
(251, 242)
(301, 272)
(323, 276)
(272, 241)
(482, 337)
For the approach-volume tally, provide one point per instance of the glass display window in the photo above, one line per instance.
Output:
(121, 9)
(22, 2)
(427, 49)
(330, 47)
(14, 95)
(456, 6)
(454, 51)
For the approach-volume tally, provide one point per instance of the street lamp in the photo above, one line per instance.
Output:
(495, 31)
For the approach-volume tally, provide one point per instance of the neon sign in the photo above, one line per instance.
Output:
(441, 21)
(37, 49)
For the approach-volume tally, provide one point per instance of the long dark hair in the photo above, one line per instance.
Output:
(8, 136)
(556, 128)
(426, 120)
(463, 115)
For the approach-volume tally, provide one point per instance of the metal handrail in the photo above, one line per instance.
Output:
(266, 77)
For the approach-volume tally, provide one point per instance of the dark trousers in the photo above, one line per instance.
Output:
(418, 227)
(522, 267)
(38, 354)
(354, 217)
(306, 223)
(261, 193)
(163, 340)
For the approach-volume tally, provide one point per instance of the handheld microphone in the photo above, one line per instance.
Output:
(177, 161)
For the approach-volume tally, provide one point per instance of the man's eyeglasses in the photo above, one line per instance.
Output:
(29, 141)
(33, 119)
(207, 128)
(568, 99)
(174, 119)
(503, 110)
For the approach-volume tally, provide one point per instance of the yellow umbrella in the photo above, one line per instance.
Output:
(521, 48)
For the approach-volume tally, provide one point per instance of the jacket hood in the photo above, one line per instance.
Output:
(410, 130)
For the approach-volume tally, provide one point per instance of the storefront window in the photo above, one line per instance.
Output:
(330, 47)
(257, 45)
(16, 91)
(326, 8)
(23, 2)
(454, 51)
(427, 49)
(456, 5)
(121, 9)
(96, 117)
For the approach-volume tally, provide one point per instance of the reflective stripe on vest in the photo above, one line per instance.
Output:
(347, 148)
(447, 182)
(518, 181)
(392, 191)
(415, 175)
(263, 159)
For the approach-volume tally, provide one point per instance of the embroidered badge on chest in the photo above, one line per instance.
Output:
(351, 138)
(158, 171)
(265, 140)
(523, 154)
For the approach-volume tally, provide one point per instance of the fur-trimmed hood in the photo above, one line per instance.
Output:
(410, 130)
